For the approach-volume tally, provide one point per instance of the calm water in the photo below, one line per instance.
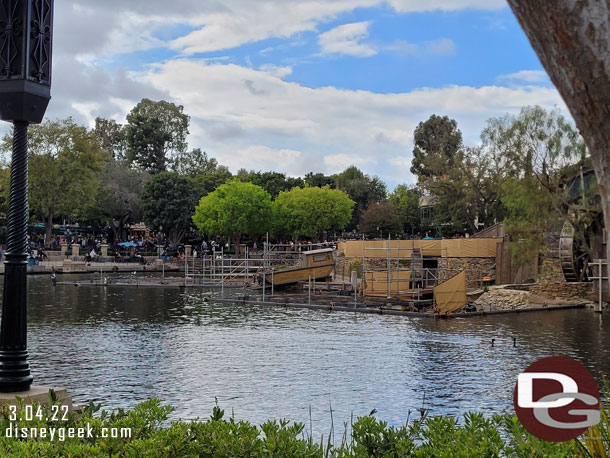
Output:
(120, 346)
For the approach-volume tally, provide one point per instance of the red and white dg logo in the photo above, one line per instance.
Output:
(556, 399)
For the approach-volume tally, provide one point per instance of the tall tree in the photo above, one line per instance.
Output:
(318, 180)
(65, 165)
(168, 204)
(111, 136)
(234, 209)
(118, 201)
(437, 148)
(207, 182)
(156, 134)
(571, 39)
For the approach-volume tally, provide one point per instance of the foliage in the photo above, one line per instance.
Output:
(194, 163)
(207, 182)
(437, 148)
(65, 165)
(405, 201)
(111, 136)
(308, 211)
(272, 182)
(540, 153)
(233, 209)
(152, 434)
(168, 202)
(380, 219)
(362, 189)
(318, 180)
(156, 134)
(118, 199)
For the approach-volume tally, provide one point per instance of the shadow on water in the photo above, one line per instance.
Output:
(121, 345)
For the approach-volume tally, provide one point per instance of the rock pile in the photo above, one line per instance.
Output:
(503, 299)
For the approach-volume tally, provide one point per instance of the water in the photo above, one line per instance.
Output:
(120, 346)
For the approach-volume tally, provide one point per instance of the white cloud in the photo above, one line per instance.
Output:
(329, 128)
(442, 46)
(527, 76)
(409, 6)
(346, 39)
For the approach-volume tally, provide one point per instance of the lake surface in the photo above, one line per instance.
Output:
(120, 346)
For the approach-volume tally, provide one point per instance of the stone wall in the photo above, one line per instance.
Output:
(552, 284)
(476, 269)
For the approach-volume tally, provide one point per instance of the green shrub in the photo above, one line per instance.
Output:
(152, 435)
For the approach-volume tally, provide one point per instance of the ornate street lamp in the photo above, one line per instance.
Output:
(25, 90)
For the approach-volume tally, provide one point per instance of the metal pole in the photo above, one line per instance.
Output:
(14, 367)
(222, 272)
(186, 267)
(309, 290)
(600, 285)
(389, 275)
(264, 285)
(272, 290)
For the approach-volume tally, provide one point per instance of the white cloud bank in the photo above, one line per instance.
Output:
(297, 129)
(347, 39)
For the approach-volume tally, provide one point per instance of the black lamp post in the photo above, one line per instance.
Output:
(25, 90)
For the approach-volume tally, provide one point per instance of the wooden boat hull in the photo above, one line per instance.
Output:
(297, 274)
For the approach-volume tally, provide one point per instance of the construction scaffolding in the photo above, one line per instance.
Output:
(403, 276)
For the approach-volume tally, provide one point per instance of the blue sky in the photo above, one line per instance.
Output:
(299, 86)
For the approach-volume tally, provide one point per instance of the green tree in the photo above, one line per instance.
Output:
(156, 134)
(540, 152)
(234, 209)
(309, 211)
(207, 182)
(118, 200)
(195, 162)
(362, 189)
(318, 180)
(65, 165)
(405, 200)
(168, 203)
(379, 220)
(437, 147)
(111, 136)
(272, 182)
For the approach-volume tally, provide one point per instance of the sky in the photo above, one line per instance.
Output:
(298, 86)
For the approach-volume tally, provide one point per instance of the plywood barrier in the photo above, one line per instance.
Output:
(452, 248)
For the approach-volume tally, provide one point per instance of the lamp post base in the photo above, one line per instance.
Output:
(14, 371)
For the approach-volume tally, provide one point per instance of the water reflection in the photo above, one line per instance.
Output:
(121, 346)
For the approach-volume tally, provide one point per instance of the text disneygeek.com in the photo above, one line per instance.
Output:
(62, 433)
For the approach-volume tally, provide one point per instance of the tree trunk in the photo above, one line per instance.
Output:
(236, 241)
(48, 226)
(572, 41)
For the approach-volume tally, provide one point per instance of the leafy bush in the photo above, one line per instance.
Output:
(152, 435)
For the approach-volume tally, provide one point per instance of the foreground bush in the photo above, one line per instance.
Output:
(153, 436)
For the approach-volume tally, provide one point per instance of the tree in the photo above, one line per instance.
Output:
(318, 180)
(156, 134)
(362, 189)
(538, 152)
(272, 182)
(168, 203)
(379, 220)
(309, 211)
(208, 182)
(65, 165)
(234, 209)
(194, 162)
(111, 136)
(571, 40)
(118, 200)
(437, 147)
(405, 201)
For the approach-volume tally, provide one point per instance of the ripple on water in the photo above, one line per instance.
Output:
(120, 346)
